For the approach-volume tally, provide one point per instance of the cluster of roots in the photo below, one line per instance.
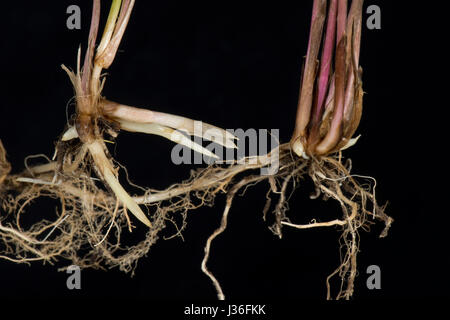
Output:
(87, 227)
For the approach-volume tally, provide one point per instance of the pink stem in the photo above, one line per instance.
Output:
(334, 134)
(329, 104)
(325, 66)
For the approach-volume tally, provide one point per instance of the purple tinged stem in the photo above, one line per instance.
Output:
(356, 13)
(334, 134)
(309, 73)
(93, 31)
(325, 66)
(328, 106)
(341, 20)
(123, 11)
(349, 95)
(353, 50)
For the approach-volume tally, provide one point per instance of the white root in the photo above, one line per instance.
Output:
(106, 169)
(335, 222)
(37, 181)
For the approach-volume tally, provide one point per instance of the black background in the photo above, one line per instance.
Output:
(234, 65)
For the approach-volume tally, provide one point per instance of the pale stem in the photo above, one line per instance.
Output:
(166, 132)
(109, 27)
(122, 112)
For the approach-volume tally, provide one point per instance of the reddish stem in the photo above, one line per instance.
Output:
(93, 31)
(353, 50)
(341, 20)
(325, 66)
(309, 73)
(335, 133)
